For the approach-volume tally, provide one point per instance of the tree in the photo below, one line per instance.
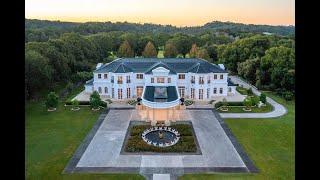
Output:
(38, 72)
(52, 100)
(170, 50)
(255, 100)
(247, 103)
(125, 50)
(263, 98)
(193, 51)
(213, 52)
(150, 51)
(248, 69)
(182, 42)
(95, 100)
(203, 54)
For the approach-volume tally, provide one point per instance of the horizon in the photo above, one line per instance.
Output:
(179, 13)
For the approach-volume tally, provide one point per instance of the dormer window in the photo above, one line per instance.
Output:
(105, 76)
(99, 76)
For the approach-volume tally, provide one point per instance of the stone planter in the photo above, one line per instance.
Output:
(247, 110)
(224, 110)
(52, 109)
(95, 109)
(75, 109)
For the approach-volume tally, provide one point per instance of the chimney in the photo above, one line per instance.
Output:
(99, 65)
(222, 66)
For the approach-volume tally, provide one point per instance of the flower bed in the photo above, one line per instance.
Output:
(186, 144)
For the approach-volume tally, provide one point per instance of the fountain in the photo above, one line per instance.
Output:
(161, 136)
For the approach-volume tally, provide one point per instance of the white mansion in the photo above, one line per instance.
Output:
(159, 80)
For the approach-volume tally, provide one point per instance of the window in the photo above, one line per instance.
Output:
(119, 93)
(214, 90)
(221, 76)
(181, 90)
(128, 79)
(105, 76)
(192, 93)
(112, 79)
(201, 81)
(128, 93)
(182, 76)
(208, 80)
(99, 76)
(215, 76)
(221, 90)
(160, 80)
(208, 93)
(139, 76)
(139, 91)
(106, 90)
(230, 89)
(169, 80)
(119, 79)
(100, 90)
(193, 79)
(152, 80)
(200, 93)
(112, 95)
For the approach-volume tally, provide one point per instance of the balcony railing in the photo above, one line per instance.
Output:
(119, 82)
(201, 82)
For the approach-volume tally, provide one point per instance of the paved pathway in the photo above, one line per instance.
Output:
(278, 109)
(219, 152)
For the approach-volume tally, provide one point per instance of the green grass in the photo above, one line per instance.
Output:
(160, 54)
(52, 138)
(242, 90)
(262, 109)
(268, 142)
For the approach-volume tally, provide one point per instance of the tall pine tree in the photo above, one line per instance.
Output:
(170, 50)
(149, 51)
(193, 51)
(125, 50)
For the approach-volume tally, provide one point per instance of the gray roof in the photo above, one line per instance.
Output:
(146, 65)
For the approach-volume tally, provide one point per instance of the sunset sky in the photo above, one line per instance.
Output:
(175, 12)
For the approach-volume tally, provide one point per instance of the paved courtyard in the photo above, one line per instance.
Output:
(100, 152)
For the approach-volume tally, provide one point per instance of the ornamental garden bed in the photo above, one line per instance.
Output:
(135, 144)
(238, 107)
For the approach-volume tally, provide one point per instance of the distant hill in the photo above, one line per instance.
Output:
(58, 27)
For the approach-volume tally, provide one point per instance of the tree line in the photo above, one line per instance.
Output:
(266, 61)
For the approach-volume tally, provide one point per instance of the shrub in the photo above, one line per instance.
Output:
(95, 100)
(188, 102)
(263, 98)
(255, 100)
(75, 103)
(288, 96)
(249, 92)
(52, 100)
(248, 103)
(218, 104)
(224, 103)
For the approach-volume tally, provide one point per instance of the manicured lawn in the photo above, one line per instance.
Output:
(52, 138)
(242, 90)
(268, 142)
(262, 109)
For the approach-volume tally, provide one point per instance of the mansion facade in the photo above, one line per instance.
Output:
(190, 78)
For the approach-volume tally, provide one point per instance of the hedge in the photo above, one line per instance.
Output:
(219, 104)
(103, 104)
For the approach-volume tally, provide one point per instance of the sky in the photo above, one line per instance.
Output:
(174, 12)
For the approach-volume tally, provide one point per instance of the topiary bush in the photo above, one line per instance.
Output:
(255, 100)
(263, 98)
(95, 100)
(52, 100)
(247, 103)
